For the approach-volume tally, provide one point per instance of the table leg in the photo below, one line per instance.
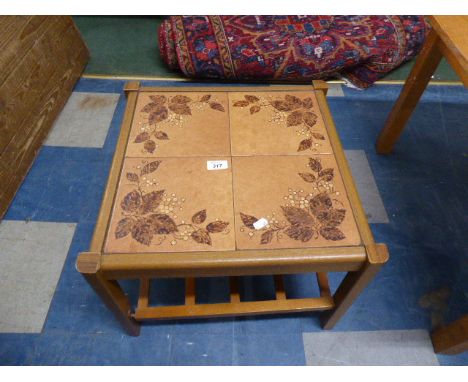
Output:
(352, 286)
(453, 338)
(109, 290)
(419, 77)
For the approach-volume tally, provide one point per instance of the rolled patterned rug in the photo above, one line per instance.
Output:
(360, 49)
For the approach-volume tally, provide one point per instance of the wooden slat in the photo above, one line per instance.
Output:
(234, 295)
(279, 287)
(234, 309)
(143, 296)
(190, 291)
(322, 281)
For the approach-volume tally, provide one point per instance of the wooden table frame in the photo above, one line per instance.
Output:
(102, 271)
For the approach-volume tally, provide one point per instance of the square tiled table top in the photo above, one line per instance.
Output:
(279, 173)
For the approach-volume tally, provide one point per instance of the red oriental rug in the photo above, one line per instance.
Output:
(360, 49)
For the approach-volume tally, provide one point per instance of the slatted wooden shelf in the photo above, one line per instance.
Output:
(235, 307)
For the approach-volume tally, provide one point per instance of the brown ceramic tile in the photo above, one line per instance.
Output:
(276, 123)
(302, 198)
(170, 124)
(172, 205)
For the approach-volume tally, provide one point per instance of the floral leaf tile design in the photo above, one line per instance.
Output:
(172, 205)
(180, 124)
(277, 123)
(302, 200)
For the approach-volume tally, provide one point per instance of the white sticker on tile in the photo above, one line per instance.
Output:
(217, 164)
(31, 261)
(84, 121)
(260, 223)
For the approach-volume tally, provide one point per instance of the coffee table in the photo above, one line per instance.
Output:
(229, 181)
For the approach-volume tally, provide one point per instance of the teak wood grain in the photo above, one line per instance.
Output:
(41, 58)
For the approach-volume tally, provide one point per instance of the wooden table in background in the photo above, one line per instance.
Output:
(449, 38)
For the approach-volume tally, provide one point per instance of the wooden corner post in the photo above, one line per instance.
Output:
(131, 86)
(320, 85)
(353, 284)
(88, 264)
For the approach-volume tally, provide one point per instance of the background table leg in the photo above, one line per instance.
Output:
(453, 338)
(109, 290)
(425, 65)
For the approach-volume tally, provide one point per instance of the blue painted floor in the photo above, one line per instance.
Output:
(423, 186)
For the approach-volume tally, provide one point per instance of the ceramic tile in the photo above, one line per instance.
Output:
(172, 205)
(302, 199)
(180, 124)
(276, 123)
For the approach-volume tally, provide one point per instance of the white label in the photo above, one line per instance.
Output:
(260, 223)
(217, 164)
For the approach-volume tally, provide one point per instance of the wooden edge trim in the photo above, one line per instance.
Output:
(188, 80)
(232, 263)
(353, 196)
(88, 262)
(100, 231)
(321, 86)
(212, 89)
(234, 309)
